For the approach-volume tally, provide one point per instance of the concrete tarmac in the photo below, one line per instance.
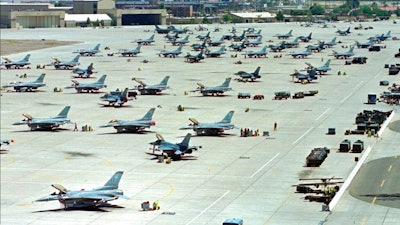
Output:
(230, 176)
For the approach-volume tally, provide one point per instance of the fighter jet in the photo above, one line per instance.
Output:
(216, 42)
(84, 73)
(171, 53)
(344, 55)
(131, 53)
(254, 35)
(368, 44)
(301, 54)
(154, 89)
(116, 97)
(96, 197)
(331, 43)
(301, 77)
(177, 30)
(238, 47)
(89, 52)
(199, 47)
(65, 65)
(175, 151)
(318, 47)
(182, 41)
(146, 41)
(161, 30)
(343, 32)
(46, 123)
(278, 48)
(216, 128)
(245, 76)
(257, 54)
(320, 69)
(291, 44)
(203, 37)
(90, 87)
(27, 86)
(254, 43)
(216, 90)
(239, 38)
(171, 37)
(216, 53)
(284, 36)
(305, 38)
(134, 126)
(9, 64)
(194, 58)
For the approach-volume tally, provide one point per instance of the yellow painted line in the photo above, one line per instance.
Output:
(171, 190)
(390, 168)
(364, 220)
(12, 161)
(383, 182)
(373, 200)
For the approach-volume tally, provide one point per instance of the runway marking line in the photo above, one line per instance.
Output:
(319, 117)
(364, 220)
(269, 161)
(373, 200)
(383, 183)
(390, 168)
(211, 205)
(305, 133)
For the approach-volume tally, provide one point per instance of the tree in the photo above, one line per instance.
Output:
(279, 16)
(353, 3)
(226, 17)
(88, 22)
(317, 9)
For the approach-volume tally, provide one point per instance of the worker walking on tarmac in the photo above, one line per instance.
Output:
(275, 126)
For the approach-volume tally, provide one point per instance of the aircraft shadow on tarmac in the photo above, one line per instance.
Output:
(42, 130)
(96, 209)
(115, 106)
(127, 132)
(3, 151)
(183, 158)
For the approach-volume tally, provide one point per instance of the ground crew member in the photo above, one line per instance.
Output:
(76, 127)
(275, 126)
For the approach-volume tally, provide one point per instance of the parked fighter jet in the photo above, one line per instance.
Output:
(133, 125)
(301, 77)
(46, 123)
(9, 64)
(84, 73)
(154, 89)
(277, 48)
(175, 151)
(177, 30)
(161, 30)
(116, 97)
(171, 37)
(199, 47)
(239, 38)
(216, 42)
(90, 87)
(216, 53)
(284, 36)
(318, 47)
(194, 58)
(305, 38)
(216, 128)
(301, 54)
(146, 41)
(89, 52)
(331, 43)
(254, 43)
(64, 65)
(171, 53)
(257, 54)
(367, 44)
(387, 35)
(27, 86)
(344, 55)
(291, 44)
(203, 37)
(320, 69)
(130, 53)
(182, 41)
(238, 47)
(245, 76)
(343, 32)
(201, 28)
(254, 35)
(87, 198)
(216, 90)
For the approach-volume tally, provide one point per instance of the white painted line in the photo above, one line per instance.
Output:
(353, 173)
(319, 117)
(358, 85)
(212, 204)
(269, 161)
(348, 96)
(305, 133)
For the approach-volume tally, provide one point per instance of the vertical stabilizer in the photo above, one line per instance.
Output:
(185, 141)
(26, 58)
(226, 83)
(149, 114)
(64, 112)
(165, 80)
(102, 79)
(76, 58)
(40, 78)
(228, 117)
(114, 180)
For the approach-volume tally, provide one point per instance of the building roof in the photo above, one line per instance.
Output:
(254, 15)
(83, 17)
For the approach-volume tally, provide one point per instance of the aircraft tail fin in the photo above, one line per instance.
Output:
(149, 114)
(125, 93)
(102, 79)
(179, 48)
(290, 32)
(138, 48)
(312, 74)
(26, 58)
(97, 47)
(327, 63)
(76, 58)
(186, 38)
(228, 117)
(40, 78)
(89, 68)
(164, 81)
(226, 82)
(64, 112)
(185, 141)
(264, 49)
(351, 49)
(113, 182)
(151, 37)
